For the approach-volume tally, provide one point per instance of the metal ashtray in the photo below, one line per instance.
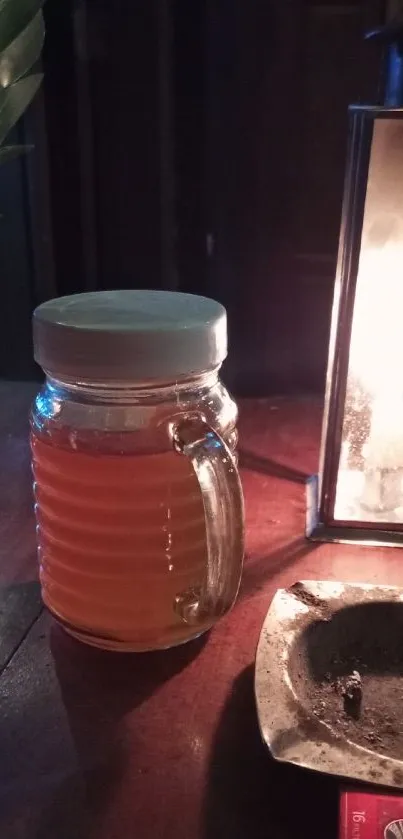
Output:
(329, 680)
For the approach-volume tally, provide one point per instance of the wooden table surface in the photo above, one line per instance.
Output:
(166, 745)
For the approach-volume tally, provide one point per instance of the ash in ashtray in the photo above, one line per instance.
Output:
(348, 673)
(351, 691)
(359, 708)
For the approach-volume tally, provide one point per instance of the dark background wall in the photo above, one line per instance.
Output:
(196, 146)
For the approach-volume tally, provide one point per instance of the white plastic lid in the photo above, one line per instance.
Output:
(129, 335)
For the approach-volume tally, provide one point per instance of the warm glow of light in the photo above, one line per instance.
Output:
(376, 348)
(369, 486)
(370, 477)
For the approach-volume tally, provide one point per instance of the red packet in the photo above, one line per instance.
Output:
(370, 815)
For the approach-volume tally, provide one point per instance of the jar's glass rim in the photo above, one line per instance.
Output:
(205, 378)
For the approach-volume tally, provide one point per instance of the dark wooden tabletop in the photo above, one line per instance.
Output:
(98, 745)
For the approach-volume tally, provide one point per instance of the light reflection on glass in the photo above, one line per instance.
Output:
(370, 475)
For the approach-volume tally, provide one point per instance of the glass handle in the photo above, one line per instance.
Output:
(216, 470)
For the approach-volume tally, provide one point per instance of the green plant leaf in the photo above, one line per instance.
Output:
(10, 152)
(16, 99)
(22, 34)
(23, 52)
(14, 17)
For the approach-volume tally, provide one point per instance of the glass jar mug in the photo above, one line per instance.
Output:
(138, 499)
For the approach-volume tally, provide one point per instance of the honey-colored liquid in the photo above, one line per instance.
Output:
(120, 536)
